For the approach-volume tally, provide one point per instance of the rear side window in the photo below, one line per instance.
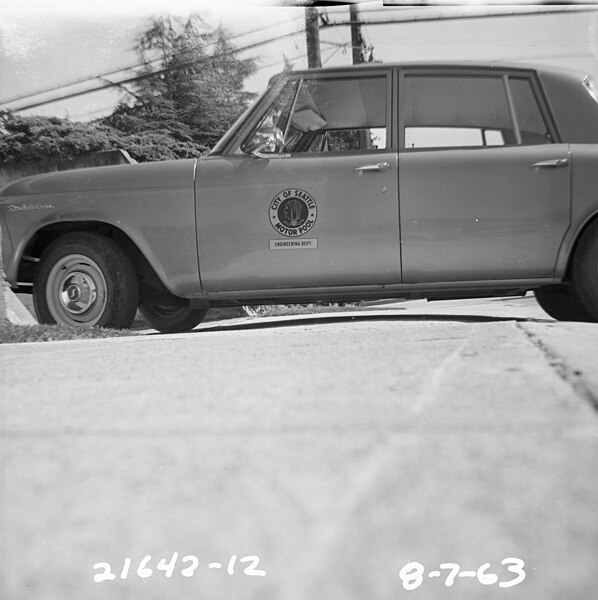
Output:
(529, 118)
(446, 111)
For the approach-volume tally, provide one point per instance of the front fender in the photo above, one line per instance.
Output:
(153, 204)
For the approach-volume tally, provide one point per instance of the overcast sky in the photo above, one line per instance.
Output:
(44, 45)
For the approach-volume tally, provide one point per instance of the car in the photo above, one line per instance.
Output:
(412, 180)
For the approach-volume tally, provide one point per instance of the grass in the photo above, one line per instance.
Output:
(14, 334)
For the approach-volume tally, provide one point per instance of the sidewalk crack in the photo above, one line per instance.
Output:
(572, 377)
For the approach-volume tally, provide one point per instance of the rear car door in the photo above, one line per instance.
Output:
(318, 209)
(484, 180)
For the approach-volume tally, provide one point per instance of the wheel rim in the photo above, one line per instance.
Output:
(76, 291)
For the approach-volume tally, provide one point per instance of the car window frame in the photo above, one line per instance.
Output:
(234, 146)
(504, 74)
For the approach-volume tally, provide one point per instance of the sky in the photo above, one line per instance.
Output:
(47, 44)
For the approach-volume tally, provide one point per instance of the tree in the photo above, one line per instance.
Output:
(184, 102)
(192, 94)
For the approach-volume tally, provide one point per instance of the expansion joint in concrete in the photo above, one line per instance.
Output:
(569, 375)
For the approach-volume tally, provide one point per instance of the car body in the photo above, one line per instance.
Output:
(381, 181)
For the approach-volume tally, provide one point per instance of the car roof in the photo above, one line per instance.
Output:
(465, 64)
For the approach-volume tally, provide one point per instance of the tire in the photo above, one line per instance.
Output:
(172, 319)
(561, 303)
(85, 280)
(584, 274)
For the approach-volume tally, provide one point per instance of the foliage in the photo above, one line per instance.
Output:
(185, 91)
(29, 139)
(33, 139)
(184, 101)
(16, 334)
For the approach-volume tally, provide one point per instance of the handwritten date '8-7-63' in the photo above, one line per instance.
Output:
(413, 574)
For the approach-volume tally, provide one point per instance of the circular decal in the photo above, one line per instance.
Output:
(293, 212)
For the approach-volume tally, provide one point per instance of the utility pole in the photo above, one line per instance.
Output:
(356, 39)
(312, 37)
(358, 46)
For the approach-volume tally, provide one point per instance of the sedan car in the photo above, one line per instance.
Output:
(434, 181)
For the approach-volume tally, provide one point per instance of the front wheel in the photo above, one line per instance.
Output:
(84, 280)
(172, 319)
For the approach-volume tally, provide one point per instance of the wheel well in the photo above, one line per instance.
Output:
(45, 236)
(580, 234)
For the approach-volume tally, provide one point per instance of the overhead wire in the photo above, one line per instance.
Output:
(89, 79)
(142, 76)
(291, 59)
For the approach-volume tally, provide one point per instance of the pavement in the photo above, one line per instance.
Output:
(335, 457)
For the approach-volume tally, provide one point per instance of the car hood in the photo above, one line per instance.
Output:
(155, 175)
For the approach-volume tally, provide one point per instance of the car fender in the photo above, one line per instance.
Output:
(153, 204)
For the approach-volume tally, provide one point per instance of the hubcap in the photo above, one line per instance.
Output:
(79, 292)
(76, 292)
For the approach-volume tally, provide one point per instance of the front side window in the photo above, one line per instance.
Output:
(323, 115)
(446, 111)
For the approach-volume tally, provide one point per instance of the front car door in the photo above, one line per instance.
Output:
(307, 194)
(484, 181)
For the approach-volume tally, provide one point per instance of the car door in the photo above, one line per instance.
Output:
(484, 181)
(319, 210)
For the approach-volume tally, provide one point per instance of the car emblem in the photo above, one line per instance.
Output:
(293, 212)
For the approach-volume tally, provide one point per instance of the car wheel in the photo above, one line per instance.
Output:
(172, 319)
(84, 280)
(561, 303)
(584, 275)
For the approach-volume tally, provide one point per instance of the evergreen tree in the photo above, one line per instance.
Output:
(190, 93)
(192, 85)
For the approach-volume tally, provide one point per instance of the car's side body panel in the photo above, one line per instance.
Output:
(584, 205)
(351, 239)
(470, 214)
(153, 204)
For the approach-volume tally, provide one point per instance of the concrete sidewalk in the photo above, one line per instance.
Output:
(335, 451)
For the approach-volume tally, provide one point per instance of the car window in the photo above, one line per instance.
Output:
(529, 118)
(443, 111)
(324, 115)
(442, 137)
(267, 135)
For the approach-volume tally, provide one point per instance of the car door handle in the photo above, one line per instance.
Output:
(383, 166)
(553, 164)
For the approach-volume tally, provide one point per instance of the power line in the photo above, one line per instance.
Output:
(142, 76)
(291, 59)
(432, 14)
(88, 79)
(422, 16)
